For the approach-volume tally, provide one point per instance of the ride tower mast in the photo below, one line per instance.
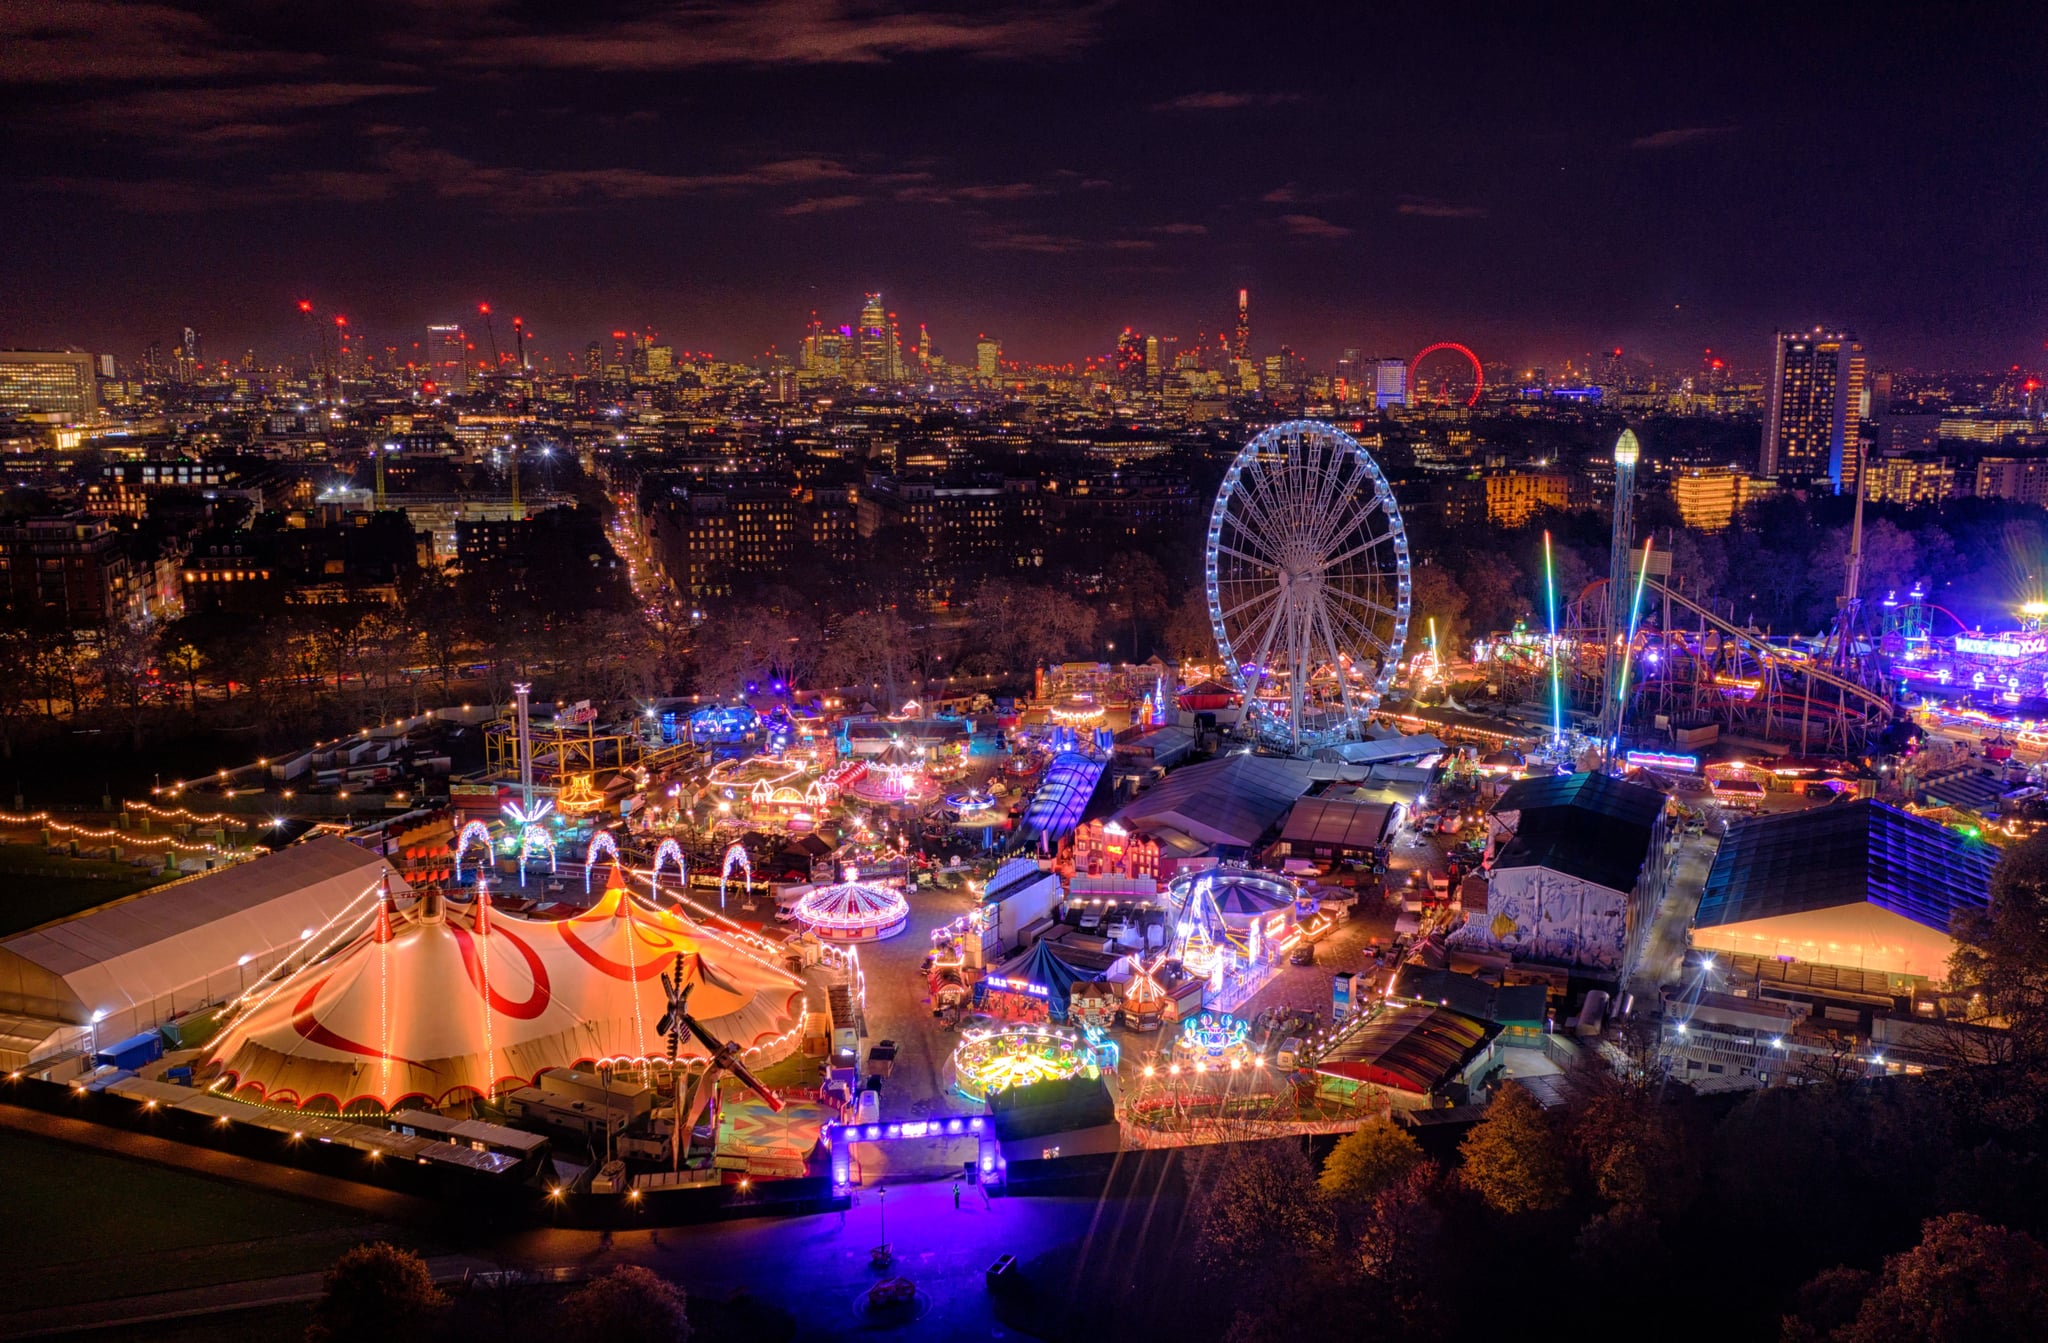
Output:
(1626, 453)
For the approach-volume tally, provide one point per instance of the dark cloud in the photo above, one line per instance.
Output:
(1681, 135)
(1224, 102)
(783, 32)
(1425, 208)
(1313, 226)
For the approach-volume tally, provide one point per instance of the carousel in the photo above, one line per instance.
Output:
(853, 911)
(988, 1061)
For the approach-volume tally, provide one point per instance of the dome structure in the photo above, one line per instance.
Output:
(439, 1003)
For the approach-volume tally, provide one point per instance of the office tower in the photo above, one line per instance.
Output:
(988, 351)
(873, 333)
(50, 384)
(1151, 361)
(924, 349)
(153, 361)
(1130, 360)
(1389, 383)
(661, 360)
(593, 360)
(1241, 343)
(1817, 401)
(1351, 372)
(892, 353)
(1169, 354)
(448, 358)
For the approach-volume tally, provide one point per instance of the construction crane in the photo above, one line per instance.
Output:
(491, 331)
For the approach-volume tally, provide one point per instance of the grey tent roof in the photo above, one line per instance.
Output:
(1340, 821)
(1847, 853)
(1381, 749)
(1231, 801)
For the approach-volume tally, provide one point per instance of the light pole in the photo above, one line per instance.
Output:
(882, 1210)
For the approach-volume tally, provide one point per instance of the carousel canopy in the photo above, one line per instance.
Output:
(400, 1014)
(1241, 895)
(852, 904)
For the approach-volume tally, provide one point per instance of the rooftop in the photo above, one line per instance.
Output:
(1844, 854)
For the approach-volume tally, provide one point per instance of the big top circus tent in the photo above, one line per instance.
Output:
(441, 1002)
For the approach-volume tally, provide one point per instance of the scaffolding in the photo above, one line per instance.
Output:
(561, 749)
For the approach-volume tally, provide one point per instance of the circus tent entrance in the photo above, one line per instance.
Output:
(441, 1003)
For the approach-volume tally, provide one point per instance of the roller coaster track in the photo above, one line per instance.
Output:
(1877, 707)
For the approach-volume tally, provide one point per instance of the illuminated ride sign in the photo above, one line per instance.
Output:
(1661, 760)
(2004, 644)
(1006, 984)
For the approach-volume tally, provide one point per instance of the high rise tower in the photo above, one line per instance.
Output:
(1620, 587)
(448, 358)
(1241, 343)
(872, 336)
(1817, 403)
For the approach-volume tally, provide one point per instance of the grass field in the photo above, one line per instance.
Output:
(36, 887)
(84, 1226)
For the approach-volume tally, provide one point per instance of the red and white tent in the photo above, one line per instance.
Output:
(439, 1003)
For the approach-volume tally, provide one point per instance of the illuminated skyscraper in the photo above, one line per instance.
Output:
(448, 358)
(1241, 343)
(873, 335)
(988, 352)
(1818, 399)
(1389, 383)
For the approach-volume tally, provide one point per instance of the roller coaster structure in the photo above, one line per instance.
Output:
(1695, 665)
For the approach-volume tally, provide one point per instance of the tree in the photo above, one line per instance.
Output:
(1367, 1160)
(124, 659)
(1434, 593)
(1136, 584)
(375, 1293)
(1967, 1281)
(2001, 956)
(866, 654)
(628, 1305)
(1258, 1214)
(1630, 1146)
(1188, 636)
(1513, 1158)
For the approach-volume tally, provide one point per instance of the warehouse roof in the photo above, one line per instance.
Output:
(136, 950)
(1338, 821)
(1231, 801)
(1843, 854)
(1592, 826)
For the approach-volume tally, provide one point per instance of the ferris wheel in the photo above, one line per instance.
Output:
(1307, 576)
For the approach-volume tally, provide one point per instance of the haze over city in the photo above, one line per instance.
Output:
(1535, 184)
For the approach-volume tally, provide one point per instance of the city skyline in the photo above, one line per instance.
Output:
(1533, 189)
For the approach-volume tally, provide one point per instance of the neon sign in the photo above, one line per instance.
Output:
(1662, 760)
(1005, 984)
(2005, 644)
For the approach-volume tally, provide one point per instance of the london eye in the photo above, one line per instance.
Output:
(1445, 374)
(1306, 571)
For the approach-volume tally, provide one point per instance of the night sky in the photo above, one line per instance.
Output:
(1660, 177)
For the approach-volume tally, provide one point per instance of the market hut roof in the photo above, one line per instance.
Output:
(1414, 1049)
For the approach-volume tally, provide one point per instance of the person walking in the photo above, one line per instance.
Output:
(956, 1196)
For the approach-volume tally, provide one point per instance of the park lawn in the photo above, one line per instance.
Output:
(36, 887)
(86, 1226)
